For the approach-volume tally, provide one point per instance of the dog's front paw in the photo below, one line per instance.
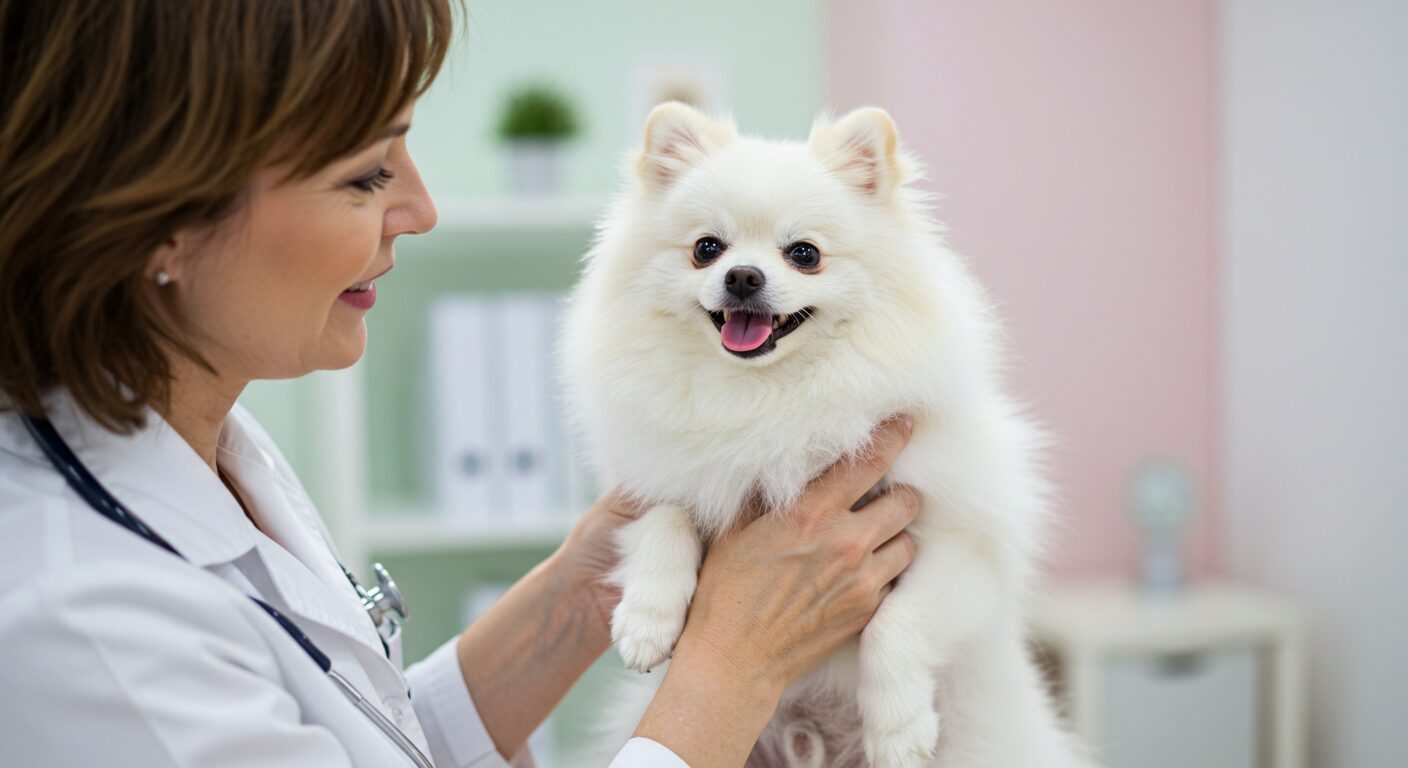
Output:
(899, 727)
(902, 744)
(645, 635)
(657, 574)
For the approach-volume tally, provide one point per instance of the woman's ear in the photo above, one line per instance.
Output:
(168, 262)
(161, 267)
(862, 149)
(677, 138)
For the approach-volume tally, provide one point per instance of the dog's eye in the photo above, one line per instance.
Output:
(706, 249)
(804, 255)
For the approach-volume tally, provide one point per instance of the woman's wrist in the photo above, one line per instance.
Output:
(581, 563)
(520, 658)
(709, 710)
(576, 593)
(712, 705)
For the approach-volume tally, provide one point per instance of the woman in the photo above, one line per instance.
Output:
(198, 193)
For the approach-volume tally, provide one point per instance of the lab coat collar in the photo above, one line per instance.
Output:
(287, 516)
(158, 475)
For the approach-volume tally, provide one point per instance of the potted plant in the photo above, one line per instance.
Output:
(536, 121)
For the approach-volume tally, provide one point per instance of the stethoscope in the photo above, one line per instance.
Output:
(380, 602)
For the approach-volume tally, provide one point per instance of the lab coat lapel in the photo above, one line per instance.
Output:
(157, 475)
(298, 558)
(311, 582)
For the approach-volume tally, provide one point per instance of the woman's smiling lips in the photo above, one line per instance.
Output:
(363, 294)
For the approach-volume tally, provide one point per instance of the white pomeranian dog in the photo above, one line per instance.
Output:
(748, 314)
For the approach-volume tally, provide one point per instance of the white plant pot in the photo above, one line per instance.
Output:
(535, 167)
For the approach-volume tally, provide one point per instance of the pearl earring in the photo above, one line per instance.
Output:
(163, 278)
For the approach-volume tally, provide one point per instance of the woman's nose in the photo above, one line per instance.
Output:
(423, 212)
(413, 212)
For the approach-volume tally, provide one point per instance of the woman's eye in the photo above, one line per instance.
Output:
(375, 181)
(706, 249)
(804, 255)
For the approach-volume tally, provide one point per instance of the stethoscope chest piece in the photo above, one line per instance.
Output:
(384, 602)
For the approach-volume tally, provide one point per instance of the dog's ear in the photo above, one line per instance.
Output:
(678, 137)
(861, 148)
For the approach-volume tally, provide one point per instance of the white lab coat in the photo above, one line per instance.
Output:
(115, 653)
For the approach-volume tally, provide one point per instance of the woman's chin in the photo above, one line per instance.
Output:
(345, 350)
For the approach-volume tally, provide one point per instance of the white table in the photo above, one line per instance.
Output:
(1213, 678)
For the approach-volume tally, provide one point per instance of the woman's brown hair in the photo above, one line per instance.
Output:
(124, 121)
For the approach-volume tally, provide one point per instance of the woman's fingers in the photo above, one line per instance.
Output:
(621, 506)
(849, 479)
(892, 557)
(888, 514)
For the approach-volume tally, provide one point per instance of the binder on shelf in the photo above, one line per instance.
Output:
(574, 490)
(460, 402)
(567, 491)
(528, 457)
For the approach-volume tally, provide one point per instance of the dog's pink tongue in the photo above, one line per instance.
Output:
(745, 331)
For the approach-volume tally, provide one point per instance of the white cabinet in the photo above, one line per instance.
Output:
(1211, 678)
(1182, 709)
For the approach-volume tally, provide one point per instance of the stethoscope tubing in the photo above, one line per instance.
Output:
(101, 500)
(85, 485)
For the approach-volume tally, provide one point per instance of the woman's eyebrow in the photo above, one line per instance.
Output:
(389, 132)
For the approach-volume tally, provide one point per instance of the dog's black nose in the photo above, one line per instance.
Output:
(744, 281)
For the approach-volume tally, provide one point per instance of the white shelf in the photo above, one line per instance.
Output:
(519, 213)
(428, 533)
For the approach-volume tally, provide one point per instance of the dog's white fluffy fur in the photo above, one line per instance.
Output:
(941, 675)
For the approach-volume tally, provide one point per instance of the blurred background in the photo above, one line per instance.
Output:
(1191, 214)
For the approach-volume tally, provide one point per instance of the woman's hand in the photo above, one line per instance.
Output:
(590, 552)
(589, 555)
(775, 598)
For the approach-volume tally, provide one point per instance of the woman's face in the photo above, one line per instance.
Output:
(267, 294)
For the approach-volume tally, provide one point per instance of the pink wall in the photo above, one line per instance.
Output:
(1074, 144)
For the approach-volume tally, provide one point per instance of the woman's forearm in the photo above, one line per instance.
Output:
(708, 711)
(520, 658)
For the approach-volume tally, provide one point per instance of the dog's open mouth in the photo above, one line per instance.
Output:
(749, 334)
